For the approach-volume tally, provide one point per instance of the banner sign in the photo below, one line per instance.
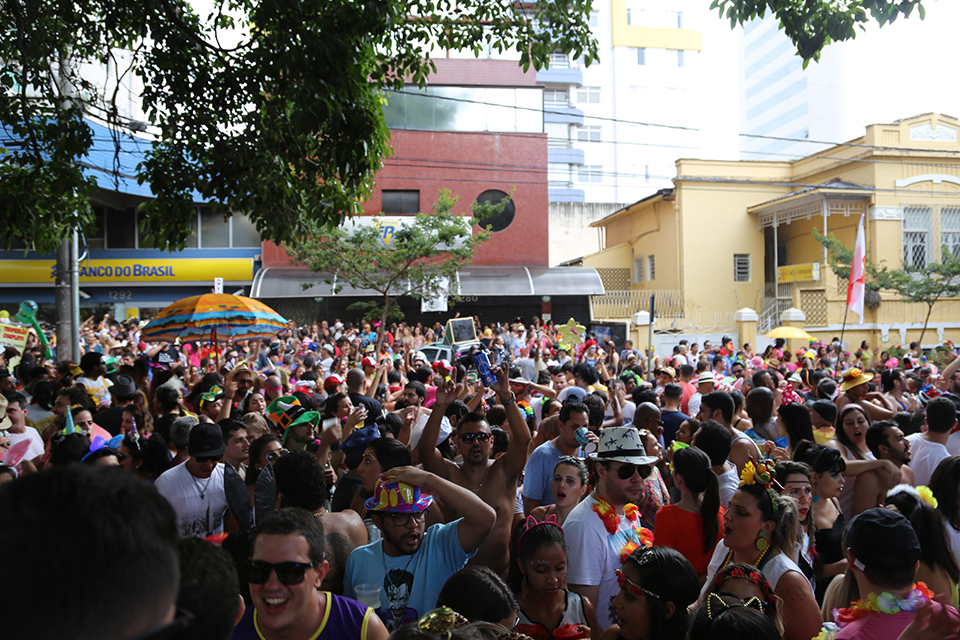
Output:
(108, 271)
(798, 273)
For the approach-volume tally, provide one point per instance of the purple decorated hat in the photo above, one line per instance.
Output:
(398, 497)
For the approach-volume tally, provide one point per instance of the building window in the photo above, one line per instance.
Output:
(638, 267)
(950, 229)
(499, 221)
(214, 230)
(916, 236)
(588, 134)
(641, 56)
(243, 233)
(589, 173)
(680, 58)
(651, 268)
(741, 267)
(588, 95)
(401, 202)
(594, 20)
(121, 228)
(679, 19)
(554, 99)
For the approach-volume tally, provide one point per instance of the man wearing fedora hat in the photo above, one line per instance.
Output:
(195, 488)
(599, 528)
(412, 562)
(705, 384)
(854, 388)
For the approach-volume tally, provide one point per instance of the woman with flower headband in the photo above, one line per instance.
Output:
(758, 526)
(657, 587)
(537, 575)
(938, 568)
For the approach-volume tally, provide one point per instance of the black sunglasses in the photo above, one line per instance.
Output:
(403, 519)
(205, 459)
(468, 438)
(288, 573)
(626, 471)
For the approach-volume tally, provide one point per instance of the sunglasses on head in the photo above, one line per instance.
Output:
(469, 438)
(205, 459)
(634, 589)
(626, 471)
(288, 573)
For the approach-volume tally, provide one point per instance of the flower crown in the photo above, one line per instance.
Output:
(764, 475)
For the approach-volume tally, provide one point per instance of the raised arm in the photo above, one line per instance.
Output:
(478, 517)
(515, 458)
(427, 450)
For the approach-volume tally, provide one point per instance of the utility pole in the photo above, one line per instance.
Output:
(68, 272)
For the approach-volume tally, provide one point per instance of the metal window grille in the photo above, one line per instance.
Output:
(651, 268)
(950, 229)
(741, 267)
(638, 265)
(916, 236)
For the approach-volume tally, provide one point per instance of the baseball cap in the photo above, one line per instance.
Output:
(206, 440)
(883, 541)
(332, 381)
(329, 349)
(369, 362)
(826, 409)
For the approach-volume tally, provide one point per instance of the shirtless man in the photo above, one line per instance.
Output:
(494, 481)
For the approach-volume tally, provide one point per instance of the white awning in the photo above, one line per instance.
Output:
(275, 282)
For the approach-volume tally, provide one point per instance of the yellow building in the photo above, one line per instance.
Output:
(730, 247)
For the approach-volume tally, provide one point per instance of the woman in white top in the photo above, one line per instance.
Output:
(865, 476)
(758, 525)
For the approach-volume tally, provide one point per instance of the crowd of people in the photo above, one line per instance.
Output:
(332, 482)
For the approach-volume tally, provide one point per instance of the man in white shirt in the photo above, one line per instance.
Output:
(622, 468)
(930, 448)
(705, 384)
(195, 488)
(15, 406)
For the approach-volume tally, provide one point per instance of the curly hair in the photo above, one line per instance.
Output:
(300, 480)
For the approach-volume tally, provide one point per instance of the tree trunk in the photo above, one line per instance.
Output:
(381, 330)
(925, 322)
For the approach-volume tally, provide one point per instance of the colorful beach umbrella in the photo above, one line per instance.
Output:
(214, 316)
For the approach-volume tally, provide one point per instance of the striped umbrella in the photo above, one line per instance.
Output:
(212, 316)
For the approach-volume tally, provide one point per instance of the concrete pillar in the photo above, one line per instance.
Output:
(746, 320)
(794, 317)
(641, 336)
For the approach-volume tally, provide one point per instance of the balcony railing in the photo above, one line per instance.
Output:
(560, 61)
(623, 304)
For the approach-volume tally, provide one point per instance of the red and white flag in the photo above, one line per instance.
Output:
(855, 288)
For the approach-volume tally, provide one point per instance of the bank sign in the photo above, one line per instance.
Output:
(166, 271)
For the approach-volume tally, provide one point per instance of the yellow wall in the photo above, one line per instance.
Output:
(714, 213)
(625, 35)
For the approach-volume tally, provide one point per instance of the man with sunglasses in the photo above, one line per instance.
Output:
(285, 571)
(195, 488)
(494, 480)
(622, 467)
(411, 562)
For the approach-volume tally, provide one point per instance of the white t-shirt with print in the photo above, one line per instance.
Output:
(197, 517)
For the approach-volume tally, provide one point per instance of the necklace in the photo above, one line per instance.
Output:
(885, 603)
(611, 522)
(761, 559)
(202, 491)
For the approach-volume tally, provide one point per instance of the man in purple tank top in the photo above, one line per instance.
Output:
(285, 572)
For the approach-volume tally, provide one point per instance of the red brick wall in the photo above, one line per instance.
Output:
(454, 71)
(469, 164)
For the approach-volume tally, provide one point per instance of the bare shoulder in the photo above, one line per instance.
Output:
(611, 633)
(347, 522)
(540, 513)
(793, 586)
